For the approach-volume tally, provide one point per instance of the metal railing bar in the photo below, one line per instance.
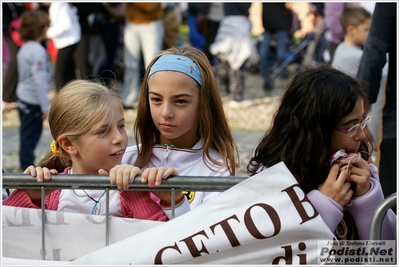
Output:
(76, 181)
(376, 222)
(107, 216)
(172, 201)
(43, 195)
(378, 217)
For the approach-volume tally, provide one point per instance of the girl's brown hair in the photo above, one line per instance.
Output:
(77, 107)
(213, 127)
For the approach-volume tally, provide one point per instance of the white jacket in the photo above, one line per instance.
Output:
(233, 41)
(187, 162)
(64, 29)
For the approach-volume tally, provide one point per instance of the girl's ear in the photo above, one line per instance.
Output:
(67, 145)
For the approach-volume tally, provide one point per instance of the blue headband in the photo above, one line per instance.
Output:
(176, 63)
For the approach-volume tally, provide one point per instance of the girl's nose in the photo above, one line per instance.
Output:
(167, 111)
(119, 136)
(360, 134)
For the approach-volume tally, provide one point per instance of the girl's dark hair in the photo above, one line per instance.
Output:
(314, 103)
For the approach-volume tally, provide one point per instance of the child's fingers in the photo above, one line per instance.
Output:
(53, 171)
(123, 175)
(336, 185)
(169, 172)
(362, 180)
(40, 173)
(333, 175)
(362, 164)
(153, 177)
(129, 176)
(112, 174)
(144, 175)
(30, 170)
(162, 173)
(102, 172)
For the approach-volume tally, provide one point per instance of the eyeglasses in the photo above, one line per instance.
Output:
(353, 130)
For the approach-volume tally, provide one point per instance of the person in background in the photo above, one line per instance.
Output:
(232, 49)
(11, 19)
(355, 21)
(33, 83)
(382, 40)
(277, 22)
(180, 124)
(318, 132)
(213, 13)
(172, 19)
(335, 33)
(81, 54)
(142, 39)
(194, 20)
(65, 32)
(106, 27)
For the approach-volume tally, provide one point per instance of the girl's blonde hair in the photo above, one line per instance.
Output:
(213, 127)
(77, 107)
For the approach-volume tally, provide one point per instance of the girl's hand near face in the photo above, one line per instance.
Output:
(41, 174)
(122, 175)
(360, 175)
(337, 186)
(154, 177)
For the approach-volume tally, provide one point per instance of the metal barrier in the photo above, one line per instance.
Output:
(77, 181)
(183, 183)
(378, 218)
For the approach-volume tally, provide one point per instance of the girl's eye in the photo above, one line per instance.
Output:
(122, 126)
(181, 101)
(102, 131)
(155, 99)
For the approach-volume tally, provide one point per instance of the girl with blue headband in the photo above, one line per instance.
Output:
(180, 124)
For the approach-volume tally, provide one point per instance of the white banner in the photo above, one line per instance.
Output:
(68, 235)
(266, 219)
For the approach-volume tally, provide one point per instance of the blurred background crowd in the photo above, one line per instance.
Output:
(113, 42)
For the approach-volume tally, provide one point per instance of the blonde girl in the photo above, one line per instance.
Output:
(87, 124)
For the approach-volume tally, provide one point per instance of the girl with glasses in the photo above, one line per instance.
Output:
(321, 119)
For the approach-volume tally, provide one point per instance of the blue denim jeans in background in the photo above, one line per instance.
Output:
(29, 132)
(267, 59)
